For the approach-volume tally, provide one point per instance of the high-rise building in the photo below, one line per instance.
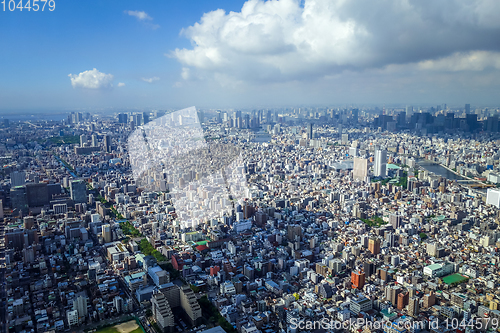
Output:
(429, 299)
(162, 312)
(392, 294)
(395, 220)
(18, 199)
(368, 268)
(37, 195)
(107, 144)
(493, 197)
(467, 108)
(413, 306)
(402, 300)
(358, 280)
(122, 118)
(83, 140)
(17, 178)
(355, 114)
(380, 163)
(119, 304)
(78, 190)
(190, 305)
(80, 305)
(106, 233)
(145, 118)
(360, 168)
(345, 138)
(94, 140)
(309, 131)
(374, 246)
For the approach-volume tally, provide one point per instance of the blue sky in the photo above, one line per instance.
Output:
(255, 53)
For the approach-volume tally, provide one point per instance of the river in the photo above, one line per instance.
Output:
(443, 172)
(438, 170)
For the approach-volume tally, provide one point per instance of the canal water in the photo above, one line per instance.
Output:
(438, 170)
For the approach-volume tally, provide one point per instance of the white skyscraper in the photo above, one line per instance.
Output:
(493, 197)
(380, 163)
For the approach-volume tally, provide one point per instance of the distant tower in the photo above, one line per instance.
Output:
(310, 131)
(380, 163)
(94, 140)
(467, 108)
(107, 143)
(83, 140)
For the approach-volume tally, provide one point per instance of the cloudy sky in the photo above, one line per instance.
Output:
(166, 54)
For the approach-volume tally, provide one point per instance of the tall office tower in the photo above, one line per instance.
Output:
(269, 117)
(355, 115)
(395, 220)
(1, 208)
(107, 144)
(83, 140)
(413, 306)
(78, 190)
(380, 163)
(467, 108)
(360, 168)
(374, 246)
(122, 118)
(309, 131)
(94, 140)
(247, 121)
(368, 268)
(409, 112)
(106, 233)
(402, 300)
(17, 178)
(145, 118)
(358, 280)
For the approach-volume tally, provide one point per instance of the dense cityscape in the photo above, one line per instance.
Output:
(305, 219)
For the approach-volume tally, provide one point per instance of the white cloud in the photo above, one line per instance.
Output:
(185, 73)
(463, 61)
(121, 84)
(141, 16)
(150, 80)
(91, 79)
(286, 40)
